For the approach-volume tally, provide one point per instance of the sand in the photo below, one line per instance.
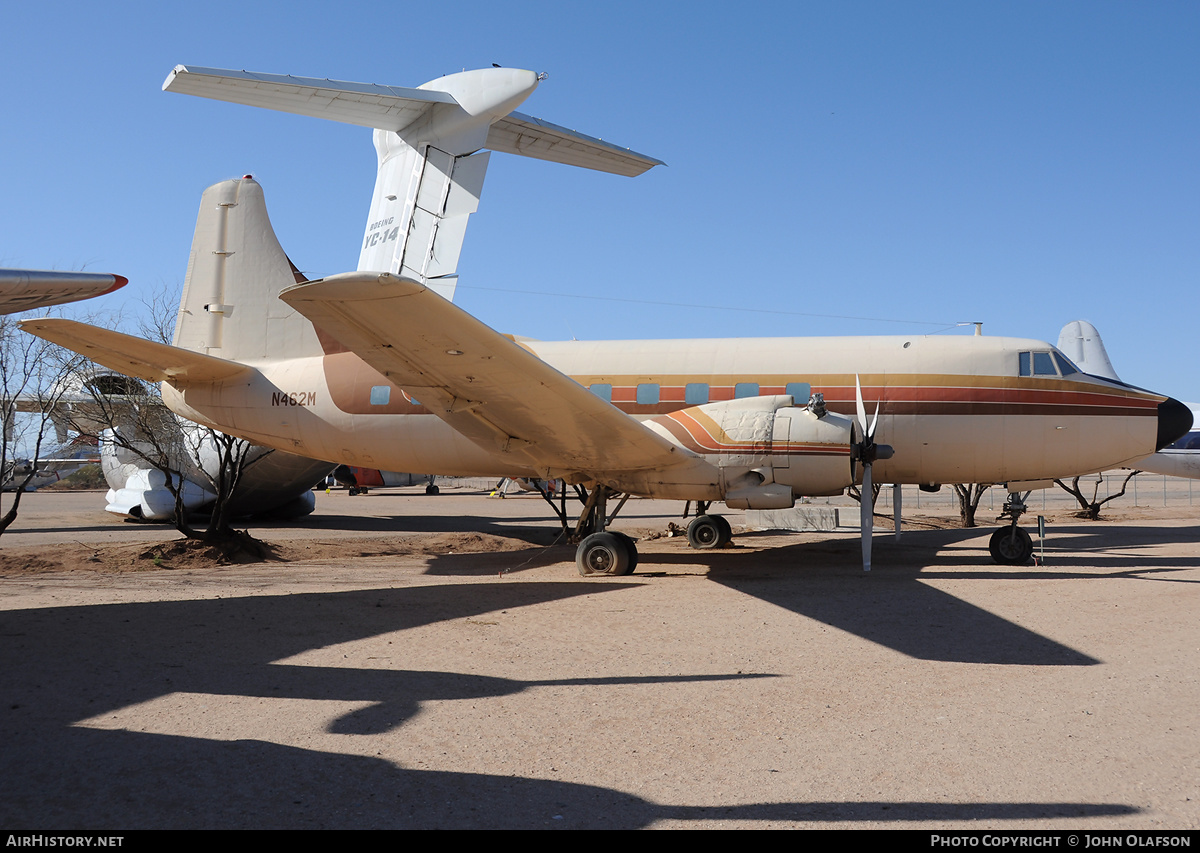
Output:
(413, 662)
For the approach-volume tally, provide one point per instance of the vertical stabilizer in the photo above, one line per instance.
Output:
(419, 211)
(429, 141)
(1081, 343)
(230, 306)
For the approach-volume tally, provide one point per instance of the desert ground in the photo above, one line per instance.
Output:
(404, 661)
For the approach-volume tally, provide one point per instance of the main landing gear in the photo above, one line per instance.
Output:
(708, 531)
(602, 552)
(1012, 546)
(609, 552)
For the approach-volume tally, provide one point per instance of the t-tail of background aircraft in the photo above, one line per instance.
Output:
(374, 368)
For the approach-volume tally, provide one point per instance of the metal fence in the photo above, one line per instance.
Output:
(1144, 490)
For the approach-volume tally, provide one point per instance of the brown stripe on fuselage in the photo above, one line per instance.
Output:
(350, 380)
(697, 432)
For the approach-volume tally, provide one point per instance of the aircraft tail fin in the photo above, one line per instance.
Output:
(1081, 343)
(429, 141)
(230, 307)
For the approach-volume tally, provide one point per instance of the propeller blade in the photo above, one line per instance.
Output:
(862, 409)
(867, 517)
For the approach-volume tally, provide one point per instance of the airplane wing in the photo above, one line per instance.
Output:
(482, 383)
(395, 108)
(24, 290)
(148, 360)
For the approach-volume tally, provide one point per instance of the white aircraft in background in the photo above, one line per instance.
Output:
(25, 290)
(1080, 340)
(374, 368)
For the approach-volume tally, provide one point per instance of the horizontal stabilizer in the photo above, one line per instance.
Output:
(365, 104)
(148, 360)
(397, 109)
(517, 133)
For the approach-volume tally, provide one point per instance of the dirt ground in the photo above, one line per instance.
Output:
(414, 662)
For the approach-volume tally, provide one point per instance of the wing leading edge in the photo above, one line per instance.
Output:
(485, 385)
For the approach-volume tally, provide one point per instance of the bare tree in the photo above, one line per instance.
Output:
(968, 500)
(33, 380)
(855, 492)
(1090, 507)
(195, 464)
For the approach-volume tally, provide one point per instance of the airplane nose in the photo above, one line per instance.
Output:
(1174, 421)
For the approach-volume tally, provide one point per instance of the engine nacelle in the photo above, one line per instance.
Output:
(767, 449)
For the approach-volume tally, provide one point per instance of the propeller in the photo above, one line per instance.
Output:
(866, 451)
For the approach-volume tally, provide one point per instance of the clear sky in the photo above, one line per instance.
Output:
(839, 168)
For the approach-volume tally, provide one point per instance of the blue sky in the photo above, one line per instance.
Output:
(833, 168)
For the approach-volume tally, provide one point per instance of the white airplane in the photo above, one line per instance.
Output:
(374, 368)
(1181, 458)
(25, 290)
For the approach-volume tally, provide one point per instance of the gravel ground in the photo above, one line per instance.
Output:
(413, 662)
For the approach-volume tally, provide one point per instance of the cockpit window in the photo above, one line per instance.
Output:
(1065, 366)
(1037, 364)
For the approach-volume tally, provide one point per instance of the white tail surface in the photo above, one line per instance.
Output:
(429, 141)
(230, 306)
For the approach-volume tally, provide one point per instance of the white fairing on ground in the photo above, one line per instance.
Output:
(273, 482)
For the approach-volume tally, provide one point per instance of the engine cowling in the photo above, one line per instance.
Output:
(767, 449)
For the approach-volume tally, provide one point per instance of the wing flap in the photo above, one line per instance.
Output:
(485, 385)
(148, 360)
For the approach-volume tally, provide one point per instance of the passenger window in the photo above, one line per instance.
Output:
(603, 390)
(745, 389)
(800, 392)
(381, 395)
(696, 393)
(647, 394)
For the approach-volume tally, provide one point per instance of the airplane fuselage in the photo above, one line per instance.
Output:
(955, 409)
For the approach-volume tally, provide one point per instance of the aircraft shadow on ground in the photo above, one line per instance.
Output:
(63, 665)
(892, 606)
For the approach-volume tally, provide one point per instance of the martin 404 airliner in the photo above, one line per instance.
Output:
(376, 368)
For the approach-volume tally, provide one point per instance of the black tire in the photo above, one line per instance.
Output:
(1011, 546)
(431, 489)
(705, 532)
(631, 547)
(602, 554)
(726, 530)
